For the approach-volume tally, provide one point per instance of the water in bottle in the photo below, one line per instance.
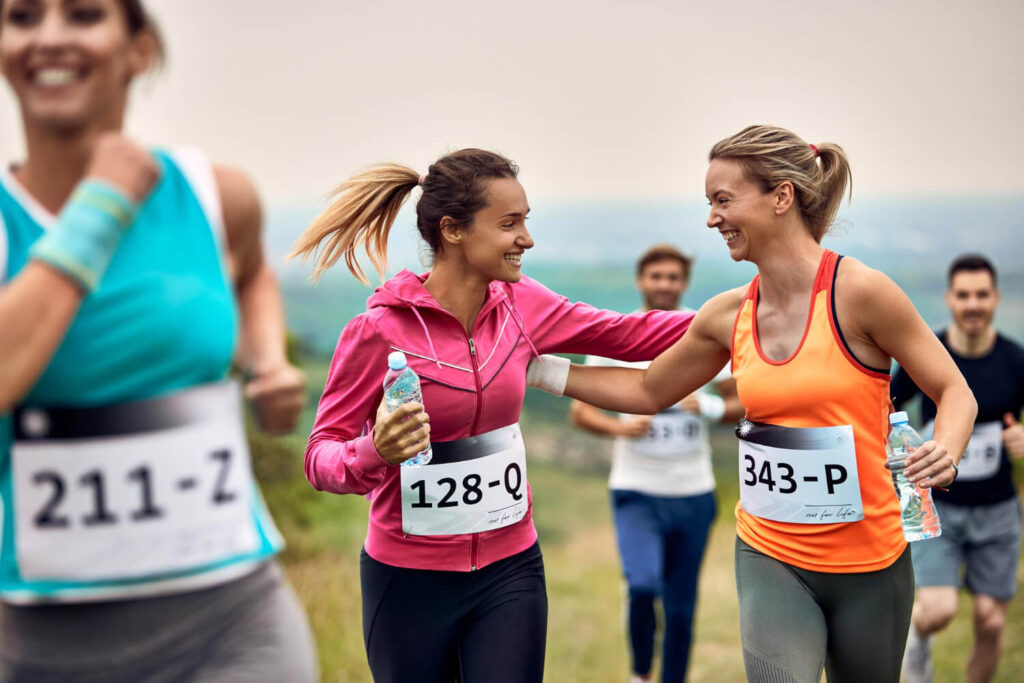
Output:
(402, 385)
(920, 520)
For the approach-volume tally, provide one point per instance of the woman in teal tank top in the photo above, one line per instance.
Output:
(135, 544)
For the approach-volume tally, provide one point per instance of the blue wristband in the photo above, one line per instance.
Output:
(86, 235)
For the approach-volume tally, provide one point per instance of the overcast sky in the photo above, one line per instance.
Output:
(594, 100)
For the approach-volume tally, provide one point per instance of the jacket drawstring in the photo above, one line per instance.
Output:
(519, 321)
(426, 331)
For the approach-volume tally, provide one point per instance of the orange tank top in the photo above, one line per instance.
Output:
(821, 385)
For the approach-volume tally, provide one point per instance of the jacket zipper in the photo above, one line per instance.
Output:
(479, 387)
(475, 541)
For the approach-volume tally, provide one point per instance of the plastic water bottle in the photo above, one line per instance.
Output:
(402, 385)
(920, 521)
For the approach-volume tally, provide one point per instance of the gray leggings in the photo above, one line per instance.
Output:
(249, 630)
(794, 623)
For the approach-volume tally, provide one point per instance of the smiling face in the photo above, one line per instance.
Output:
(494, 242)
(972, 298)
(662, 284)
(69, 62)
(740, 211)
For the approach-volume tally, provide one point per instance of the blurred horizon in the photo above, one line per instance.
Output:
(587, 251)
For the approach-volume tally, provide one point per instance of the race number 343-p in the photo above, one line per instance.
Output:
(805, 475)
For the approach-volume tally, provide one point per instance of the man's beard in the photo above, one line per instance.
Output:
(974, 324)
(662, 303)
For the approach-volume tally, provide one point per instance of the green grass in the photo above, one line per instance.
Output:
(586, 638)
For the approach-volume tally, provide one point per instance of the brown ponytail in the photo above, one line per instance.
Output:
(771, 155)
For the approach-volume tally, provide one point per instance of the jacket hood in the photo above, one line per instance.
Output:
(406, 290)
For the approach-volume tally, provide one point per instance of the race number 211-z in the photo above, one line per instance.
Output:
(95, 486)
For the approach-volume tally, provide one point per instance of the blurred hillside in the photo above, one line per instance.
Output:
(587, 251)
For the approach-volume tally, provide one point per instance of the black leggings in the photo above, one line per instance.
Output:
(484, 626)
(795, 622)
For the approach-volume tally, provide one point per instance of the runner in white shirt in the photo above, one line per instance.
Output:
(662, 487)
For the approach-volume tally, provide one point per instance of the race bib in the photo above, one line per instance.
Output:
(672, 433)
(804, 475)
(470, 485)
(134, 490)
(982, 456)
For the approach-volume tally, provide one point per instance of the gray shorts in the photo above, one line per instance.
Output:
(249, 630)
(979, 548)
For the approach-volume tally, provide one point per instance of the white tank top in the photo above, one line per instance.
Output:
(673, 459)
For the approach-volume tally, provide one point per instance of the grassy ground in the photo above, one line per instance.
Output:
(586, 640)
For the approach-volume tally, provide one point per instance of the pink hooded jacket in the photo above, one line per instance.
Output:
(471, 385)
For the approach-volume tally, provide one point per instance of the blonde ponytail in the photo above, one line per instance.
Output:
(833, 180)
(361, 213)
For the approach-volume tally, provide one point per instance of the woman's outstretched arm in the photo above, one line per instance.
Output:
(687, 365)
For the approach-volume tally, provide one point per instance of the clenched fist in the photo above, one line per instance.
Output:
(1013, 436)
(634, 426)
(118, 161)
(277, 395)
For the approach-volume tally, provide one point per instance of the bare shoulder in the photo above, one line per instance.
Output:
(243, 218)
(716, 317)
(726, 301)
(861, 288)
(240, 202)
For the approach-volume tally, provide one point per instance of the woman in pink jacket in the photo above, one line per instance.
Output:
(452, 575)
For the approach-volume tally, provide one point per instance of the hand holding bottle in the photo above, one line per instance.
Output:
(402, 433)
(917, 510)
(930, 464)
(403, 425)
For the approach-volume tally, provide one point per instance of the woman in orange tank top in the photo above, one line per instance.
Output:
(823, 573)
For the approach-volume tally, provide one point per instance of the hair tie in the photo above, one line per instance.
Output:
(422, 180)
(816, 152)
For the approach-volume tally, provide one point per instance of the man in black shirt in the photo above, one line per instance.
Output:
(980, 513)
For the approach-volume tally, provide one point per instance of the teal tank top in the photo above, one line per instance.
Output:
(163, 319)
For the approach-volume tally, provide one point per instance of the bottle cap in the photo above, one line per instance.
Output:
(396, 360)
(898, 418)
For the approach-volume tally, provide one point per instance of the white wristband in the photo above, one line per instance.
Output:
(712, 407)
(548, 373)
